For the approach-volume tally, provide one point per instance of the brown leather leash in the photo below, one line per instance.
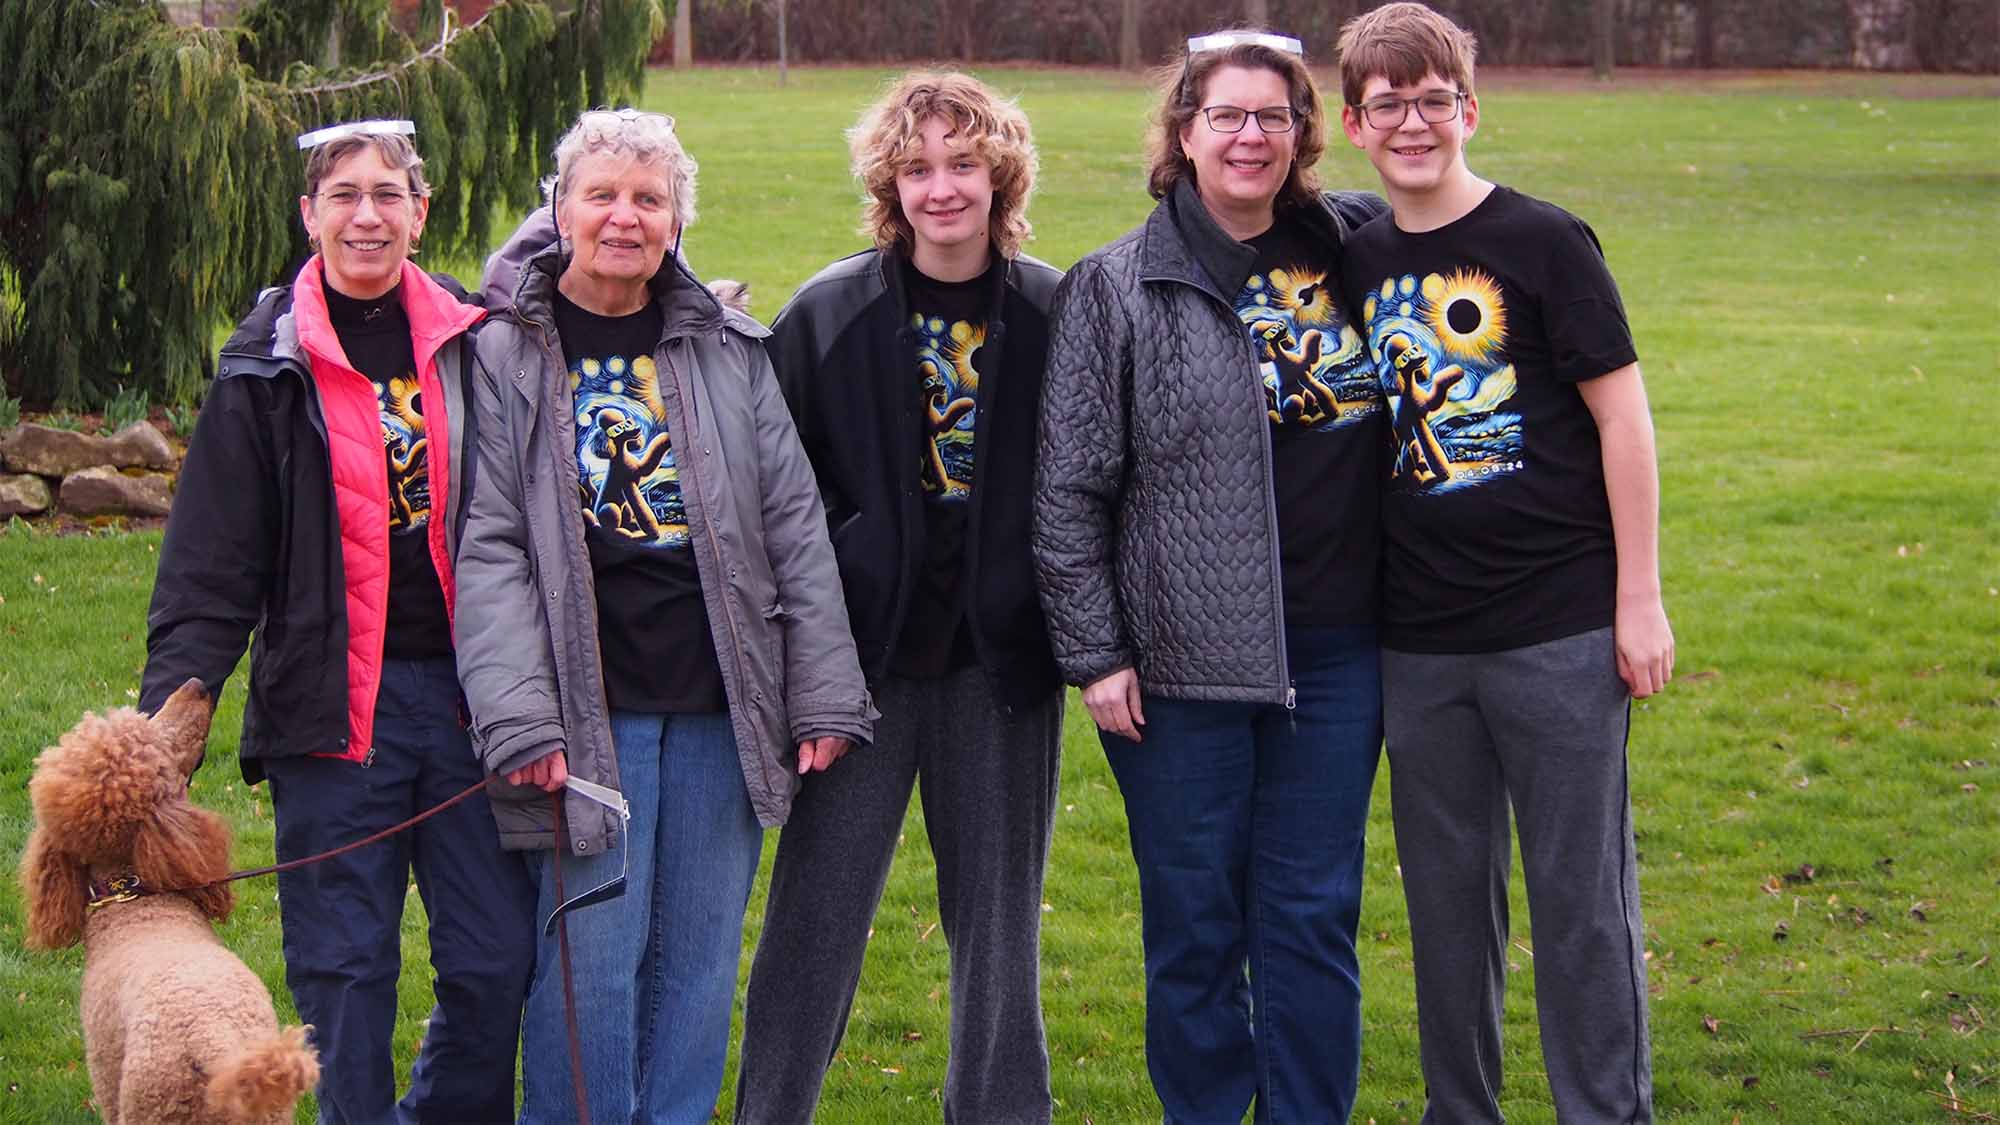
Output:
(294, 864)
(569, 980)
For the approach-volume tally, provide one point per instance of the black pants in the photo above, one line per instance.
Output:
(343, 917)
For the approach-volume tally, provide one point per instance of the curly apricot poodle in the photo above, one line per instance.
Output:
(175, 1028)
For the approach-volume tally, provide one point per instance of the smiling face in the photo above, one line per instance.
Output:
(618, 215)
(1418, 158)
(362, 218)
(1240, 174)
(946, 192)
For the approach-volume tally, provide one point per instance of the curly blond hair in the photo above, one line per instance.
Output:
(992, 127)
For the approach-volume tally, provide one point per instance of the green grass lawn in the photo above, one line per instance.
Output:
(1813, 273)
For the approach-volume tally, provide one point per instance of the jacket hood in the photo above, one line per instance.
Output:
(520, 279)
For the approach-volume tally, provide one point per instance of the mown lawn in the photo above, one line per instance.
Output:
(1812, 269)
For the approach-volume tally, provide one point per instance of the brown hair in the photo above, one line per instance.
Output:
(1183, 84)
(1403, 42)
(991, 126)
(395, 149)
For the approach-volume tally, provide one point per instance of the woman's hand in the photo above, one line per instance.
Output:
(1113, 701)
(547, 772)
(819, 753)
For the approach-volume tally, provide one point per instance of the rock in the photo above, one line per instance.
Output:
(140, 446)
(49, 452)
(23, 495)
(103, 490)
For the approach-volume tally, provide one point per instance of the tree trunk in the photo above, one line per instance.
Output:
(1257, 13)
(1603, 24)
(1704, 33)
(683, 34)
(333, 44)
(1128, 34)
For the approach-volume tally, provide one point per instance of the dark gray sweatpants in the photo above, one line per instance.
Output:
(1543, 728)
(989, 793)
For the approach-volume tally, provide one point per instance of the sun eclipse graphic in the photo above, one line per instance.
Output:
(1466, 312)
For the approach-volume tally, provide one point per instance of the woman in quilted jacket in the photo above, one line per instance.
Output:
(1206, 540)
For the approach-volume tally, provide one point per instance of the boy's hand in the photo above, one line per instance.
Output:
(1645, 644)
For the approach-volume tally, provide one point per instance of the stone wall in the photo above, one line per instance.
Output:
(44, 470)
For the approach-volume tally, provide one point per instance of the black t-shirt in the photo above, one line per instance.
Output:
(375, 334)
(948, 319)
(652, 627)
(1495, 522)
(1326, 429)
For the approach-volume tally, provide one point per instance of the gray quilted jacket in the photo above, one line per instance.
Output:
(527, 614)
(1156, 534)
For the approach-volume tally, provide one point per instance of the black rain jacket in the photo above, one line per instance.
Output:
(846, 357)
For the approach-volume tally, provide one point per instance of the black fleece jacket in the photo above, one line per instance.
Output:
(846, 356)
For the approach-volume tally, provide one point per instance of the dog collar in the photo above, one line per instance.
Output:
(119, 888)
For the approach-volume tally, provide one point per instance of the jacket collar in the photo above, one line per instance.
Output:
(436, 316)
(1182, 241)
(521, 276)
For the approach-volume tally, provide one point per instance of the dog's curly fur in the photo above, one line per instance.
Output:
(175, 1028)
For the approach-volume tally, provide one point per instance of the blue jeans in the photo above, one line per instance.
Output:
(342, 917)
(1248, 827)
(655, 969)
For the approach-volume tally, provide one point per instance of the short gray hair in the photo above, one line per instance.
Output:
(648, 138)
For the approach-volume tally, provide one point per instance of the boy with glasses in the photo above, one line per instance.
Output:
(1521, 589)
(914, 371)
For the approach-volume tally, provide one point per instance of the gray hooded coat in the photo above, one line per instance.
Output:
(527, 613)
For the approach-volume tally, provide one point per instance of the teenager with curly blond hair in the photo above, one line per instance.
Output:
(906, 366)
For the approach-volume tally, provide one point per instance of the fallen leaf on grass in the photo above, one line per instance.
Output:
(1750, 1081)
(1804, 874)
(1781, 931)
(1921, 910)
(1710, 1023)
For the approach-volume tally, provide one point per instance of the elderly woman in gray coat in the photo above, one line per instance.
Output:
(648, 602)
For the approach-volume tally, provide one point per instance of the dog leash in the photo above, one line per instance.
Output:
(562, 923)
(568, 978)
(294, 864)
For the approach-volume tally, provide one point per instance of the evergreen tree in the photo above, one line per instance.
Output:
(149, 173)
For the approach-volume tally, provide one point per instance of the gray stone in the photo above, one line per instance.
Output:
(140, 446)
(49, 452)
(104, 491)
(23, 495)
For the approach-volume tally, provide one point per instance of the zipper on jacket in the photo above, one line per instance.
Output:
(1292, 705)
(1271, 475)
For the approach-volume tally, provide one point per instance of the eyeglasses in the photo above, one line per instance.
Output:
(1434, 108)
(387, 199)
(624, 115)
(1231, 119)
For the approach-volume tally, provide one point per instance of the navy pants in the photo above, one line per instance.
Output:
(1248, 826)
(342, 918)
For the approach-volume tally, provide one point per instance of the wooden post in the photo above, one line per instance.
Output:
(1128, 35)
(683, 34)
(782, 51)
(1257, 13)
